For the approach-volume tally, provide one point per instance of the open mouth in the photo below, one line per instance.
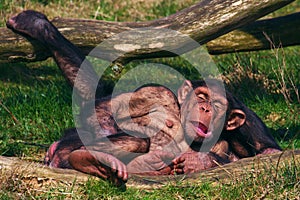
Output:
(201, 129)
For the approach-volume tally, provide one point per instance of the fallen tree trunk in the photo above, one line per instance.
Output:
(39, 176)
(203, 22)
(259, 35)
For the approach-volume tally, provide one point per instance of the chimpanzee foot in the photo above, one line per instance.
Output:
(32, 25)
(99, 164)
(50, 153)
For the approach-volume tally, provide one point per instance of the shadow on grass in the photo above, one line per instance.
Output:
(27, 74)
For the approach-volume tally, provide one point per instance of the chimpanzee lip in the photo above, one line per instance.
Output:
(201, 129)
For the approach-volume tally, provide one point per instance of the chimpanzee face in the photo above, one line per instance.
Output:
(203, 110)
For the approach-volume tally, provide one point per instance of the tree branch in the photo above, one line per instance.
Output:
(203, 22)
(39, 176)
(283, 31)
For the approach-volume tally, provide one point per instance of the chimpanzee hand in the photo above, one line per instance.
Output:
(156, 163)
(195, 161)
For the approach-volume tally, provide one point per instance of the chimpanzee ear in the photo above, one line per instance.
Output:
(183, 91)
(236, 119)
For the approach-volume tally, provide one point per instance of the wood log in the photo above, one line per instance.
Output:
(259, 35)
(203, 22)
(39, 176)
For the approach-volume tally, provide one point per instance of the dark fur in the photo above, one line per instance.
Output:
(253, 137)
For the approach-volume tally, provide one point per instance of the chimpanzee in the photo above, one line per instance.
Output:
(205, 113)
(148, 131)
(243, 133)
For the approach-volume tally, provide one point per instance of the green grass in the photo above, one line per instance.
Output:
(36, 104)
(39, 99)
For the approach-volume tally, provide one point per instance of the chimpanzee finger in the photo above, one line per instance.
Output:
(102, 172)
(178, 160)
(122, 172)
(113, 166)
(118, 168)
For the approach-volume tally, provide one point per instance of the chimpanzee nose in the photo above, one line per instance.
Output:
(205, 108)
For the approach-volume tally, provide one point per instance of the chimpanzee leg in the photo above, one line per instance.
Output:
(37, 28)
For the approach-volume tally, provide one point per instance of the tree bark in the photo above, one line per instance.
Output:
(259, 35)
(202, 22)
(35, 175)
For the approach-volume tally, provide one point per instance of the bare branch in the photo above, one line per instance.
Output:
(203, 22)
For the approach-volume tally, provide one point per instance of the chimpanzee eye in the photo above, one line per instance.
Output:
(201, 98)
(218, 105)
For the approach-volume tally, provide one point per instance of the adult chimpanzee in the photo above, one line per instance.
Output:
(202, 110)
